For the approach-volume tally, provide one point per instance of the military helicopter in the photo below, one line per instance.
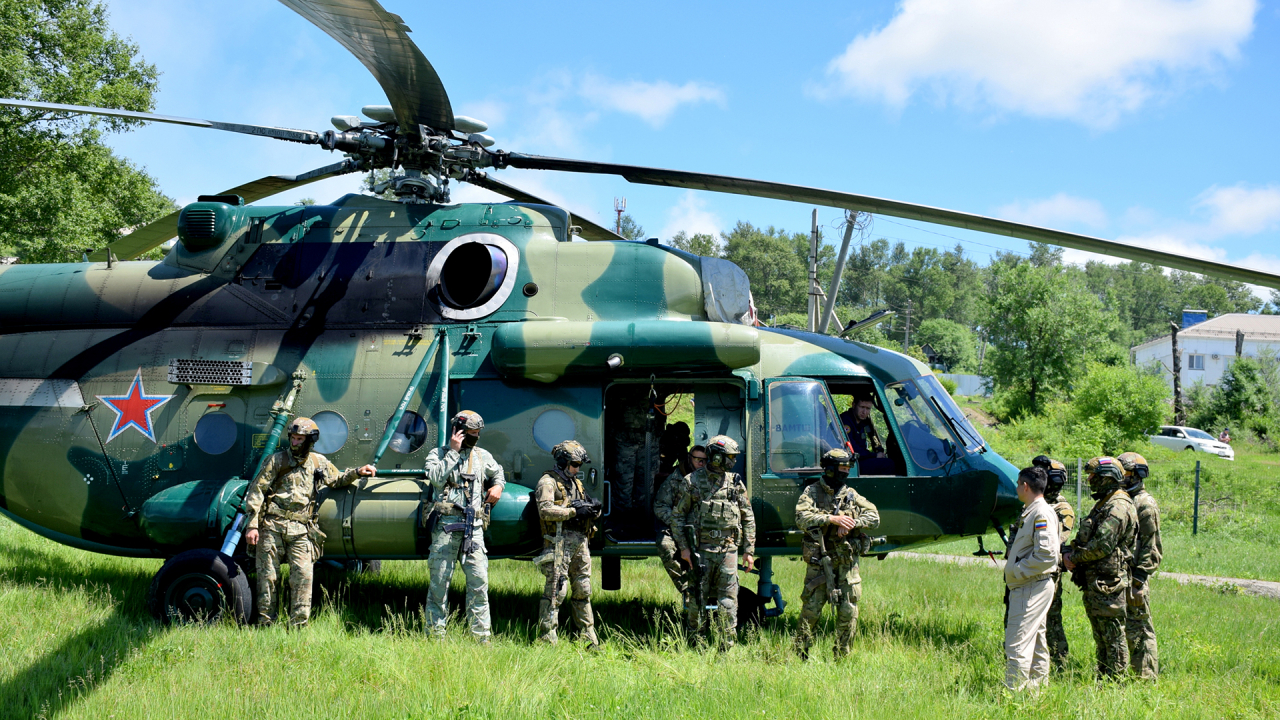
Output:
(137, 397)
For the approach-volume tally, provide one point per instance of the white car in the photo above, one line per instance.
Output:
(1176, 437)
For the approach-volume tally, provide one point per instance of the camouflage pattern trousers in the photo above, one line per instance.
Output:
(1055, 633)
(815, 596)
(289, 539)
(1141, 638)
(719, 594)
(574, 580)
(671, 562)
(446, 553)
(1106, 616)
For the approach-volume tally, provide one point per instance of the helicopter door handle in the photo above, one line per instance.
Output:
(608, 499)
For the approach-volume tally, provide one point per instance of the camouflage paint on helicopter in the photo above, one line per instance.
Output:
(346, 293)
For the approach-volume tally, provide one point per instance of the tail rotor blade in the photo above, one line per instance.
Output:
(590, 230)
(155, 233)
(892, 208)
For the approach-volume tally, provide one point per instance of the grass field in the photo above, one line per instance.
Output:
(78, 643)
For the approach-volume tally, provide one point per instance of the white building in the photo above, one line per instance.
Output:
(1209, 348)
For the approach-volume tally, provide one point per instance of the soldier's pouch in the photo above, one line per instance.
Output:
(317, 538)
(1109, 585)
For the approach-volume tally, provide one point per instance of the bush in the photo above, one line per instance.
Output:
(949, 384)
(1127, 403)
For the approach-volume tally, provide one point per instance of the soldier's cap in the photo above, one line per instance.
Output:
(469, 420)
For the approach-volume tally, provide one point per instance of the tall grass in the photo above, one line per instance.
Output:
(78, 644)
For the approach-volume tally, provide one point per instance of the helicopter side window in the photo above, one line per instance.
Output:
(943, 403)
(802, 426)
(410, 433)
(923, 432)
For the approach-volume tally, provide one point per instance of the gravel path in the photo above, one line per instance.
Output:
(1263, 588)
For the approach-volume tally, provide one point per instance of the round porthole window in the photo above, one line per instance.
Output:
(471, 276)
(215, 432)
(552, 428)
(333, 431)
(410, 433)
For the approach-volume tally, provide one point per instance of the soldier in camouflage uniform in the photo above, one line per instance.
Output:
(565, 513)
(665, 498)
(714, 507)
(837, 514)
(459, 474)
(1054, 631)
(1099, 558)
(287, 485)
(1139, 632)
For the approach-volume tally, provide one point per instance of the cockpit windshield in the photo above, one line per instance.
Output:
(942, 401)
(802, 425)
(924, 433)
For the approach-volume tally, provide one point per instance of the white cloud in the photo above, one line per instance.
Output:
(1061, 209)
(1090, 61)
(1241, 210)
(652, 102)
(690, 215)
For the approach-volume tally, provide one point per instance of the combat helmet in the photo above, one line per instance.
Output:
(722, 451)
(1056, 471)
(832, 460)
(307, 428)
(1105, 473)
(1135, 468)
(468, 420)
(569, 451)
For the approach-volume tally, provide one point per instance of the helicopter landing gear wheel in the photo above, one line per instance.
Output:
(200, 586)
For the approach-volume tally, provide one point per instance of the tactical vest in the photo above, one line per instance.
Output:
(577, 524)
(719, 520)
(1116, 565)
(841, 549)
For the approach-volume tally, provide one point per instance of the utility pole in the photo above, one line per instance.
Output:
(813, 273)
(1177, 377)
(619, 207)
(830, 309)
(906, 343)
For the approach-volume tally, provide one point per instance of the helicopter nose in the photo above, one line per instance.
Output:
(1007, 506)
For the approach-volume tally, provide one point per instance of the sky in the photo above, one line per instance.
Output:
(1151, 122)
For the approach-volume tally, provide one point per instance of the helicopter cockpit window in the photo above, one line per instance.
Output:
(938, 395)
(923, 432)
(410, 434)
(472, 275)
(802, 426)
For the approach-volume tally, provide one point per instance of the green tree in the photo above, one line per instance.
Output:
(1043, 326)
(62, 191)
(1125, 402)
(629, 228)
(699, 244)
(768, 257)
(953, 343)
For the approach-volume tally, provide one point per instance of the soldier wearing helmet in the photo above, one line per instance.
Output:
(565, 512)
(281, 506)
(1099, 558)
(1139, 632)
(832, 515)
(1054, 631)
(712, 515)
(663, 501)
(464, 478)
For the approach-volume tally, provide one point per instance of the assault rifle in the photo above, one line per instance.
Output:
(697, 570)
(834, 596)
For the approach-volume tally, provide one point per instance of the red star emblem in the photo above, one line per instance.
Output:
(133, 409)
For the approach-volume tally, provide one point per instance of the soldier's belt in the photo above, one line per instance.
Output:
(454, 527)
(301, 516)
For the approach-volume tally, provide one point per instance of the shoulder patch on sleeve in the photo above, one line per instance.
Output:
(1042, 524)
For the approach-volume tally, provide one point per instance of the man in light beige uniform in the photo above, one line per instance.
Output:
(1028, 573)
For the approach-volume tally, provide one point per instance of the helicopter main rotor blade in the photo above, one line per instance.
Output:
(590, 230)
(306, 137)
(380, 41)
(156, 232)
(893, 208)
